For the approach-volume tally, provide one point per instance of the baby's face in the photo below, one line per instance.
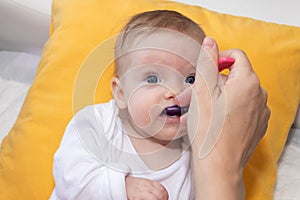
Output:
(150, 83)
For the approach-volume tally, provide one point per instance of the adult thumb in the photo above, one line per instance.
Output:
(207, 69)
(208, 101)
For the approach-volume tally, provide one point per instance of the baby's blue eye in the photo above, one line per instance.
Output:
(152, 79)
(190, 79)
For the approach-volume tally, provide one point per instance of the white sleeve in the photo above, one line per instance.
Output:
(78, 175)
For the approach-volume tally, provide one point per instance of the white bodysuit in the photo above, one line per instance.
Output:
(95, 155)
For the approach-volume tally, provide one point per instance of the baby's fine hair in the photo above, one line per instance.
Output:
(151, 21)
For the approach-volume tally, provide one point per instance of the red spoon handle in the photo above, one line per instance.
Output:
(224, 63)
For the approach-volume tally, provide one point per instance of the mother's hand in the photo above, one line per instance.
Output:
(227, 118)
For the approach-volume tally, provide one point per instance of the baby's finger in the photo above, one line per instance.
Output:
(160, 191)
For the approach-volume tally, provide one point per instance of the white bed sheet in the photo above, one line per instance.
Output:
(17, 71)
(288, 174)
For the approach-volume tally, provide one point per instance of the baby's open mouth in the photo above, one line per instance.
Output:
(175, 110)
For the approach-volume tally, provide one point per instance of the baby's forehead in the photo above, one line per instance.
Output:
(159, 56)
(164, 46)
(157, 60)
(162, 39)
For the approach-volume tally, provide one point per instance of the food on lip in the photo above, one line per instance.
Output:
(175, 110)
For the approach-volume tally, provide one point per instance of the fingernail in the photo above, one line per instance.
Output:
(208, 43)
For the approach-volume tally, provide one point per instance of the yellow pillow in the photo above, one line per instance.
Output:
(78, 27)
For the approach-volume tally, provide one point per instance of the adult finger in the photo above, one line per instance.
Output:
(207, 102)
(241, 65)
(207, 69)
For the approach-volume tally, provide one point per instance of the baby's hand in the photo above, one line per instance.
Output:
(141, 188)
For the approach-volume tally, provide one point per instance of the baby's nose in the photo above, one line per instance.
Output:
(171, 93)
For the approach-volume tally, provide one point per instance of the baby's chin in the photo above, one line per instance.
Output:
(169, 136)
(167, 142)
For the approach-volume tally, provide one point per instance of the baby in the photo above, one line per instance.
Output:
(135, 146)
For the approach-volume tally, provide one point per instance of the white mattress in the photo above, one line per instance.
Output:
(288, 174)
(17, 71)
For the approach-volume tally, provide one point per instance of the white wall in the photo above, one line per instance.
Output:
(278, 11)
(25, 23)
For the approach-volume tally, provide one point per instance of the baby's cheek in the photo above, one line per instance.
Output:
(144, 105)
(139, 109)
(140, 117)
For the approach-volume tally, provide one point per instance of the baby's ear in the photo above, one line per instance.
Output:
(117, 92)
